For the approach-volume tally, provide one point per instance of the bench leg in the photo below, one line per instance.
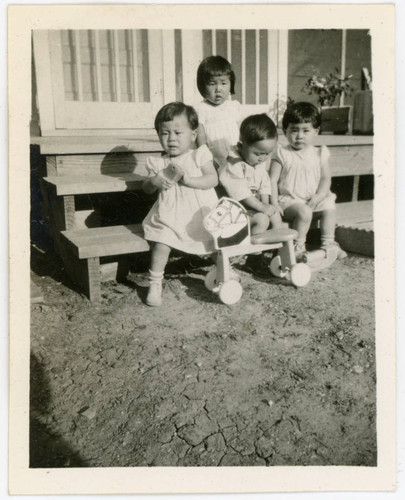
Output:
(93, 279)
(122, 269)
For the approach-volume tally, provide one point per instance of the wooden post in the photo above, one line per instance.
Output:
(93, 284)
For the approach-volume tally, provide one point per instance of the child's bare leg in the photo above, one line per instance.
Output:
(259, 223)
(160, 255)
(328, 223)
(300, 215)
(276, 221)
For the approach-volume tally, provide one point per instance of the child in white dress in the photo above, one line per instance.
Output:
(185, 179)
(218, 115)
(244, 174)
(301, 179)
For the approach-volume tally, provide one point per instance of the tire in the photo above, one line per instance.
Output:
(300, 275)
(230, 292)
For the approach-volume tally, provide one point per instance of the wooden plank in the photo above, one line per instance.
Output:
(131, 141)
(51, 168)
(336, 140)
(355, 214)
(113, 183)
(192, 53)
(94, 279)
(69, 211)
(351, 160)
(140, 140)
(356, 183)
(107, 241)
(169, 66)
(44, 77)
(111, 163)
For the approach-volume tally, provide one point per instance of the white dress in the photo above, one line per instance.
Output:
(176, 218)
(221, 124)
(241, 180)
(300, 176)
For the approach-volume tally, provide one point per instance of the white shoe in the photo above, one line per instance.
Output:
(154, 297)
(341, 254)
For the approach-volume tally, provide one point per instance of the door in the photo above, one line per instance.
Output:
(100, 79)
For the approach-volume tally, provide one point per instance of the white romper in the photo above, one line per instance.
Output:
(176, 218)
(221, 125)
(300, 176)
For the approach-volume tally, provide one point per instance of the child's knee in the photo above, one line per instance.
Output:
(276, 221)
(259, 222)
(305, 213)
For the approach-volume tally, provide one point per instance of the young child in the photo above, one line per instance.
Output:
(301, 179)
(218, 115)
(185, 179)
(244, 173)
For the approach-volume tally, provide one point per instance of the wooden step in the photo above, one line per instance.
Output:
(106, 241)
(357, 214)
(98, 183)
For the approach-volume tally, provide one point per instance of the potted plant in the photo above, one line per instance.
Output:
(329, 88)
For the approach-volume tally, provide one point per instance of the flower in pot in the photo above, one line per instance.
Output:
(334, 119)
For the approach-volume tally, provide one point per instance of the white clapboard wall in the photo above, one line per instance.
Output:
(96, 81)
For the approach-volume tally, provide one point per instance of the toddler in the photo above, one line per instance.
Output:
(184, 178)
(244, 173)
(218, 115)
(301, 178)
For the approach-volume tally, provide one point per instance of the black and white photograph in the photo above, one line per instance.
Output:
(210, 216)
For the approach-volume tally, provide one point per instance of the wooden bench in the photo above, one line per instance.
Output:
(86, 246)
(77, 166)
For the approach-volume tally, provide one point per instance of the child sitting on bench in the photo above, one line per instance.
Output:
(301, 179)
(184, 179)
(245, 178)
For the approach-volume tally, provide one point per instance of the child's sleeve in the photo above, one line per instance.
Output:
(200, 109)
(203, 156)
(152, 165)
(278, 155)
(233, 179)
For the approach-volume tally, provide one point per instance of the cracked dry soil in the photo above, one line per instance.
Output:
(284, 377)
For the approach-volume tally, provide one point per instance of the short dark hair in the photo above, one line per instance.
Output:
(301, 112)
(173, 109)
(214, 66)
(256, 128)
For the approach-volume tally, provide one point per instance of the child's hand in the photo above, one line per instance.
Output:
(313, 201)
(269, 210)
(161, 182)
(278, 209)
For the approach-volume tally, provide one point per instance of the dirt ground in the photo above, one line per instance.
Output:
(285, 377)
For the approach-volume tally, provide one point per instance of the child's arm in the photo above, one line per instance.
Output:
(201, 136)
(275, 170)
(207, 180)
(323, 187)
(258, 205)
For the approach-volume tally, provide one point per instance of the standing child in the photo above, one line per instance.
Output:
(218, 115)
(185, 179)
(244, 174)
(301, 178)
